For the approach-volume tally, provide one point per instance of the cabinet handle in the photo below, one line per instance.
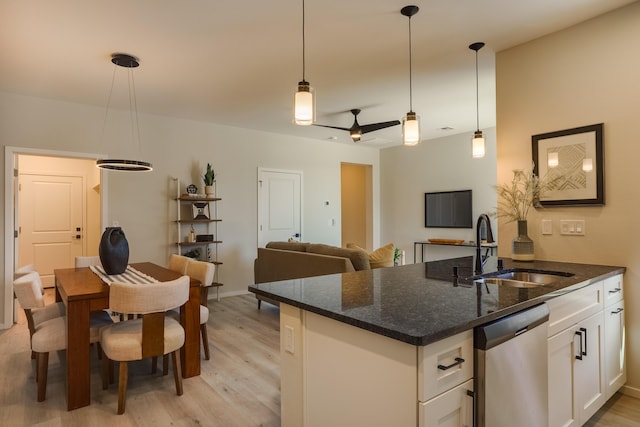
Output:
(616, 290)
(618, 310)
(458, 361)
(579, 356)
(584, 353)
(472, 395)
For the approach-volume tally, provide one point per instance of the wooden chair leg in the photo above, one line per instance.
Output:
(42, 366)
(259, 303)
(154, 364)
(99, 350)
(105, 372)
(165, 364)
(177, 371)
(122, 386)
(205, 340)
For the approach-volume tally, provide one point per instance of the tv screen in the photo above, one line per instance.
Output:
(448, 209)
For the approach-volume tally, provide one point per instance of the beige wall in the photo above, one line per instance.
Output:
(441, 164)
(584, 75)
(140, 202)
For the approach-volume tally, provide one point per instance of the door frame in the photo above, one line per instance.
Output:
(10, 155)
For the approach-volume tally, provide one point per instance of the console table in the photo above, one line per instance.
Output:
(465, 244)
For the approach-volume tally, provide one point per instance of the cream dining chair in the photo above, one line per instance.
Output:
(50, 334)
(203, 272)
(151, 335)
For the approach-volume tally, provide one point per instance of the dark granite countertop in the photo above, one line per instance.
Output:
(423, 303)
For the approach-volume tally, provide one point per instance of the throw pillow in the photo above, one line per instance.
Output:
(381, 257)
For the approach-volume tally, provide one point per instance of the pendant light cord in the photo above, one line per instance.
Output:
(133, 106)
(106, 113)
(410, 68)
(477, 96)
(303, 45)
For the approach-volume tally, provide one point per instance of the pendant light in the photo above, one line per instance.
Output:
(411, 122)
(304, 102)
(129, 62)
(477, 143)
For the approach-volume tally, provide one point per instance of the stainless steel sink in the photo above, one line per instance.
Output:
(525, 279)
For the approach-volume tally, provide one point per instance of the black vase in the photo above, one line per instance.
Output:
(114, 250)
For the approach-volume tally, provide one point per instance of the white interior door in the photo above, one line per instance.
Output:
(50, 226)
(279, 205)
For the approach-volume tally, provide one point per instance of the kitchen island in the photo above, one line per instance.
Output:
(354, 345)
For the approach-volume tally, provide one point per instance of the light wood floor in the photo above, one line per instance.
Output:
(239, 386)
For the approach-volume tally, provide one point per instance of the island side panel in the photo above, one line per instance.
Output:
(291, 366)
(356, 377)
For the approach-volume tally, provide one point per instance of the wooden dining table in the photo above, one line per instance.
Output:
(82, 292)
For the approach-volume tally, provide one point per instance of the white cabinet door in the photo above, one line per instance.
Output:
(615, 360)
(561, 379)
(576, 375)
(589, 385)
(451, 409)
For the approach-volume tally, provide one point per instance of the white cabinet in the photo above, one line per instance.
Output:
(452, 408)
(445, 382)
(576, 356)
(614, 333)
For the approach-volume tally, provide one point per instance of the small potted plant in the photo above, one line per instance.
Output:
(209, 178)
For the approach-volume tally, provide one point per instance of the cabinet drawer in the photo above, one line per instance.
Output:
(613, 291)
(444, 365)
(575, 306)
(453, 408)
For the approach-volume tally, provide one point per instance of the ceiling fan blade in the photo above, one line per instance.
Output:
(377, 126)
(332, 127)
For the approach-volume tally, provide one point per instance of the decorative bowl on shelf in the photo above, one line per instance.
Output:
(446, 241)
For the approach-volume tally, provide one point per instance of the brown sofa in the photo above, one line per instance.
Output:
(295, 260)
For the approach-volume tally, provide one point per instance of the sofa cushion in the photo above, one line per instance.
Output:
(381, 257)
(288, 246)
(359, 259)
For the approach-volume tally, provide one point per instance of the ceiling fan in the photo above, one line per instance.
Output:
(357, 130)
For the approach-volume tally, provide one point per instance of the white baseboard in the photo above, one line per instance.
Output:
(630, 391)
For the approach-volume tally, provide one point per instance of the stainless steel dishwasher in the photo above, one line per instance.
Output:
(511, 370)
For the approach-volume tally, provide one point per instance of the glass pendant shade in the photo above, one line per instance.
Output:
(304, 108)
(477, 145)
(587, 165)
(552, 160)
(411, 129)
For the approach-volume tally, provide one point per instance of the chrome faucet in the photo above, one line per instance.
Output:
(480, 260)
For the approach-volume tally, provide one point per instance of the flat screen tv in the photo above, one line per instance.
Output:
(448, 209)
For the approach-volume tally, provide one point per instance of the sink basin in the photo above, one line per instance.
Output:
(525, 279)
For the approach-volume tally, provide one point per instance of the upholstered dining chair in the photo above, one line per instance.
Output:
(178, 263)
(203, 272)
(50, 334)
(39, 312)
(87, 261)
(151, 335)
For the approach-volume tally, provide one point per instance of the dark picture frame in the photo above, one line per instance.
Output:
(574, 158)
(201, 211)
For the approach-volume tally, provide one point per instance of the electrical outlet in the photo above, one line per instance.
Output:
(572, 227)
(288, 339)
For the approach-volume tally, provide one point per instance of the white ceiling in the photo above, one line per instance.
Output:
(238, 63)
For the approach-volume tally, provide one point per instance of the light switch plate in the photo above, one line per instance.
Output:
(572, 227)
(547, 227)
